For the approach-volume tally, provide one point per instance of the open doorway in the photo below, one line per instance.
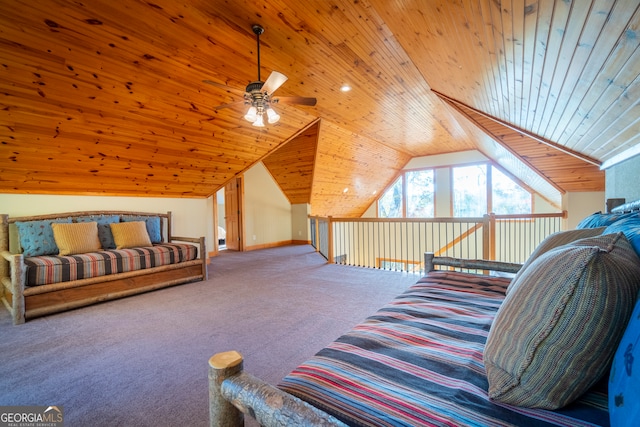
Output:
(229, 216)
(221, 222)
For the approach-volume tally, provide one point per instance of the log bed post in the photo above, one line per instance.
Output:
(221, 412)
(12, 275)
(428, 262)
(233, 393)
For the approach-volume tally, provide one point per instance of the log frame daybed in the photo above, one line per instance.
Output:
(27, 302)
(234, 393)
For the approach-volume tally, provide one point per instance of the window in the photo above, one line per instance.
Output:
(508, 197)
(469, 190)
(420, 194)
(390, 204)
(469, 193)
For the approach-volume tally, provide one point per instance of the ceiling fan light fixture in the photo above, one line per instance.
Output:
(259, 121)
(272, 116)
(252, 114)
(258, 94)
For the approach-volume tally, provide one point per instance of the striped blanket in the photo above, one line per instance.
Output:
(44, 270)
(418, 362)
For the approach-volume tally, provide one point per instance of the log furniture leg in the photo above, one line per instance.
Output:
(233, 392)
(221, 412)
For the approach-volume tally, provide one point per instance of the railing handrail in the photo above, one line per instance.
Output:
(562, 214)
(490, 237)
(438, 219)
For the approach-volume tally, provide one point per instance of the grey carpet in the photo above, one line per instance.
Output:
(142, 360)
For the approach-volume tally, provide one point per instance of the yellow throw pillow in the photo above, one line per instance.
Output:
(76, 238)
(130, 234)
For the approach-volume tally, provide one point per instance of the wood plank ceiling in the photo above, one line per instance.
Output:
(108, 97)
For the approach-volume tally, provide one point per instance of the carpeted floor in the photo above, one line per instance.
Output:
(142, 361)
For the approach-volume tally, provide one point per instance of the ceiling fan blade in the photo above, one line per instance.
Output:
(274, 81)
(225, 87)
(295, 100)
(231, 104)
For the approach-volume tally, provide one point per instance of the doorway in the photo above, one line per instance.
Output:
(232, 216)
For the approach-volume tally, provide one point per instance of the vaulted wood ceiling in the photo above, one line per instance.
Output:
(108, 97)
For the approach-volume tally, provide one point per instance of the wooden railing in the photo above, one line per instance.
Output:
(400, 243)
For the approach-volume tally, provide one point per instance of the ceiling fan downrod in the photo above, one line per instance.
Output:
(257, 30)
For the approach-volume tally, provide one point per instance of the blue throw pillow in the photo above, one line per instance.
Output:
(36, 237)
(630, 227)
(104, 230)
(624, 379)
(600, 219)
(153, 226)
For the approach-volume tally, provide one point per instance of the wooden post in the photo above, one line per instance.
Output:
(489, 237)
(168, 226)
(221, 412)
(330, 239)
(317, 225)
(18, 279)
(428, 262)
(4, 244)
(204, 257)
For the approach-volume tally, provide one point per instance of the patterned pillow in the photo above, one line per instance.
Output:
(36, 237)
(130, 235)
(553, 241)
(630, 226)
(153, 225)
(104, 230)
(600, 219)
(76, 238)
(624, 380)
(555, 334)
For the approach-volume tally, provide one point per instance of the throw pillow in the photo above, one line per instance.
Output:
(600, 219)
(624, 380)
(555, 334)
(553, 241)
(104, 229)
(130, 234)
(76, 238)
(630, 226)
(36, 237)
(152, 223)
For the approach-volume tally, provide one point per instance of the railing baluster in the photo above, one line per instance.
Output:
(398, 244)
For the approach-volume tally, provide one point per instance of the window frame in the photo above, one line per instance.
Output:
(489, 186)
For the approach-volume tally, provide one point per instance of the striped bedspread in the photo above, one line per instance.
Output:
(43, 270)
(418, 362)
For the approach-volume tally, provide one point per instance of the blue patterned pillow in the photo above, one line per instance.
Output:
(104, 230)
(600, 219)
(153, 225)
(36, 237)
(630, 226)
(624, 379)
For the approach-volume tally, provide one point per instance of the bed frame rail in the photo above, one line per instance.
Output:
(234, 393)
(430, 261)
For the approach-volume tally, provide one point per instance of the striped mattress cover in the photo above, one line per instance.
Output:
(418, 362)
(44, 270)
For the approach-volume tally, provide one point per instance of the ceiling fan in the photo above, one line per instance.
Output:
(258, 94)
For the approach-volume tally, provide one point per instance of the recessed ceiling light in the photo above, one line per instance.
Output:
(345, 88)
